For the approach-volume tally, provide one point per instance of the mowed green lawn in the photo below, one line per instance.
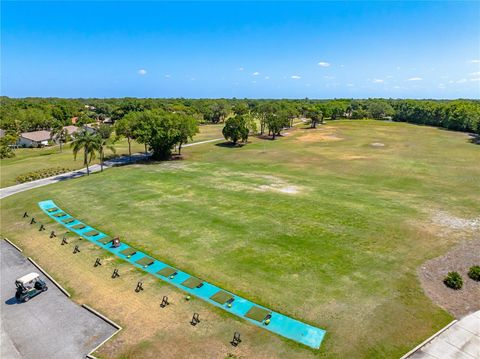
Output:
(327, 225)
(34, 159)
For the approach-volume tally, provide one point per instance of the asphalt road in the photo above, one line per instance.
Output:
(49, 325)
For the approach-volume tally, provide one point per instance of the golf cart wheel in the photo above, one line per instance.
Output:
(45, 289)
(26, 299)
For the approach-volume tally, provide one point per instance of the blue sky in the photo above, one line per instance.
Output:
(241, 49)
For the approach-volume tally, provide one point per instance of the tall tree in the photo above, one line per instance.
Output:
(125, 128)
(187, 126)
(89, 143)
(157, 129)
(236, 129)
(59, 134)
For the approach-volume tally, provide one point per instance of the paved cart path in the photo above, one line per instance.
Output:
(123, 160)
(461, 341)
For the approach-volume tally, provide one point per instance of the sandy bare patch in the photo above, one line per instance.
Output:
(277, 188)
(241, 181)
(377, 144)
(456, 223)
(352, 157)
(323, 134)
(460, 259)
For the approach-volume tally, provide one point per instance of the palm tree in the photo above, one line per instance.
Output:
(89, 143)
(59, 133)
(102, 144)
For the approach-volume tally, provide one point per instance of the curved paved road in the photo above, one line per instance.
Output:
(124, 160)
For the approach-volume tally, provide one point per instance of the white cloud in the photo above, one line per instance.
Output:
(295, 77)
(475, 79)
(324, 64)
(350, 85)
(461, 81)
(475, 61)
(167, 76)
(267, 77)
(475, 73)
(397, 87)
(378, 81)
(254, 82)
(142, 72)
(415, 79)
(192, 79)
(256, 73)
(241, 69)
(328, 77)
(442, 86)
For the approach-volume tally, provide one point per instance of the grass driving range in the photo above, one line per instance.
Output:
(327, 226)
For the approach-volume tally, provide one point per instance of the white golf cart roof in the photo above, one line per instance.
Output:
(27, 278)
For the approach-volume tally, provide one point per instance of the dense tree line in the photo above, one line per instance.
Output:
(28, 114)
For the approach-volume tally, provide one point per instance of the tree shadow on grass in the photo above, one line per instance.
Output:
(230, 145)
(475, 139)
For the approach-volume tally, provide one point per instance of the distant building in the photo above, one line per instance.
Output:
(91, 128)
(71, 130)
(74, 120)
(34, 139)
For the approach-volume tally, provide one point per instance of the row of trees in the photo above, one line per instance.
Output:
(39, 113)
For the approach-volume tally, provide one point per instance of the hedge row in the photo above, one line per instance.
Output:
(36, 175)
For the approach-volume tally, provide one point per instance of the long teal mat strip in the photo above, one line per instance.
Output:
(278, 323)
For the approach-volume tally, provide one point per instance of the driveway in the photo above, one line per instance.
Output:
(49, 325)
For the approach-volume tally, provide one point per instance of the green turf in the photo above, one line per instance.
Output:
(79, 226)
(221, 297)
(145, 261)
(166, 272)
(128, 252)
(68, 220)
(192, 282)
(105, 240)
(257, 313)
(320, 224)
(91, 233)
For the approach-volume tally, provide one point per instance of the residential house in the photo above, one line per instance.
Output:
(34, 139)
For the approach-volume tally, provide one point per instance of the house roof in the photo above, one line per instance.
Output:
(71, 129)
(37, 136)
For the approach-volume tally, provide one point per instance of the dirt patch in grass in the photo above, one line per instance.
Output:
(322, 134)
(460, 259)
(377, 144)
(352, 157)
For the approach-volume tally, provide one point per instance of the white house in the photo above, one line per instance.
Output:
(34, 139)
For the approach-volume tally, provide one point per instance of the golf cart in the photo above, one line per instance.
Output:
(29, 286)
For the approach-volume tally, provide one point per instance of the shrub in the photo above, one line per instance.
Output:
(453, 280)
(474, 273)
(35, 175)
